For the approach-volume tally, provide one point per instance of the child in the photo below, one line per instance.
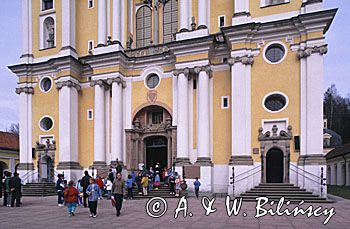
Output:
(178, 185)
(94, 193)
(109, 188)
(71, 198)
(81, 193)
(144, 183)
(156, 184)
(196, 184)
(129, 183)
(172, 185)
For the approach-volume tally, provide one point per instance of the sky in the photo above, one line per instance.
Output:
(337, 65)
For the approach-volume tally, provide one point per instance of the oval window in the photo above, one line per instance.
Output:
(275, 53)
(45, 84)
(152, 81)
(275, 102)
(46, 123)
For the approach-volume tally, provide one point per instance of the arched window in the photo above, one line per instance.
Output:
(49, 32)
(143, 26)
(170, 20)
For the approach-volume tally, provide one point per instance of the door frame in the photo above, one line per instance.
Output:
(283, 163)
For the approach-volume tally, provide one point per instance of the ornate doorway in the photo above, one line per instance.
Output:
(152, 138)
(46, 157)
(274, 166)
(156, 151)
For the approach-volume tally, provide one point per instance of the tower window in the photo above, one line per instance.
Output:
(90, 114)
(143, 26)
(170, 20)
(221, 21)
(90, 45)
(47, 5)
(225, 104)
(90, 4)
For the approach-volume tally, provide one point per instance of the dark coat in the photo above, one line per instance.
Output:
(85, 182)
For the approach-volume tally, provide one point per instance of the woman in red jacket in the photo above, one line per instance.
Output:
(71, 198)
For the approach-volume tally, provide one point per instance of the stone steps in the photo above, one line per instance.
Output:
(39, 189)
(275, 192)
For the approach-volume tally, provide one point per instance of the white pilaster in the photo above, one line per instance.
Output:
(182, 118)
(117, 121)
(117, 18)
(202, 13)
(123, 23)
(241, 14)
(185, 15)
(26, 31)
(102, 22)
(68, 24)
(99, 124)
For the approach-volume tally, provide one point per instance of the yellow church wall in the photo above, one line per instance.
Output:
(45, 104)
(257, 11)
(283, 77)
(221, 118)
(164, 94)
(86, 26)
(36, 12)
(192, 57)
(225, 7)
(85, 127)
(194, 11)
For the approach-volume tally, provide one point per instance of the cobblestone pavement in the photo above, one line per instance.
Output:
(44, 213)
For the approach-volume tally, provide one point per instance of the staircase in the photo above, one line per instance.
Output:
(274, 191)
(39, 189)
(163, 191)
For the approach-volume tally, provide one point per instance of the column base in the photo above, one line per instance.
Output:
(204, 161)
(69, 165)
(114, 163)
(25, 166)
(99, 164)
(241, 160)
(314, 159)
(182, 161)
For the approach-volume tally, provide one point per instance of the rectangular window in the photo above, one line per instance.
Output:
(90, 114)
(296, 142)
(90, 4)
(221, 21)
(90, 45)
(225, 103)
(46, 5)
(224, 60)
(272, 2)
(157, 117)
(194, 84)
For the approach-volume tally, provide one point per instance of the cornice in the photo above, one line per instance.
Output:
(26, 90)
(69, 84)
(306, 52)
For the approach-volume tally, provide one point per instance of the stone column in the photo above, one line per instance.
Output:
(25, 131)
(68, 25)
(241, 13)
(202, 14)
(117, 18)
(184, 15)
(311, 158)
(68, 129)
(203, 128)
(117, 120)
(99, 124)
(102, 22)
(241, 158)
(27, 55)
(182, 117)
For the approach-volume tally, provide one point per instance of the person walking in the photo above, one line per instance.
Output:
(16, 190)
(129, 184)
(144, 183)
(94, 193)
(109, 185)
(118, 188)
(71, 198)
(60, 189)
(7, 188)
(196, 185)
(85, 182)
(177, 184)
(81, 193)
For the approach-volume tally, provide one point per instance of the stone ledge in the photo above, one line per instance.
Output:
(25, 166)
(98, 165)
(182, 161)
(241, 160)
(204, 161)
(69, 165)
(316, 159)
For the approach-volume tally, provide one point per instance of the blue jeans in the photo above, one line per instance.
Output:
(60, 197)
(71, 207)
(109, 194)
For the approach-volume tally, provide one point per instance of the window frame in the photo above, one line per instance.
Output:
(263, 3)
(222, 102)
(53, 123)
(146, 80)
(40, 82)
(143, 28)
(42, 5)
(272, 44)
(171, 23)
(88, 4)
(219, 17)
(41, 36)
(87, 114)
(278, 93)
(91, 42)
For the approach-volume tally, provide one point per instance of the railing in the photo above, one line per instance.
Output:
(320, 180)
(242, 176)
(31, 175)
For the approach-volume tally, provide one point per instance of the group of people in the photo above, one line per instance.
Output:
(11, 187)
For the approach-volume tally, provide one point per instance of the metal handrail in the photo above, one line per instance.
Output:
(249, 175)
(243, 173)
(306, 171)
(316, 181)
(25, 178)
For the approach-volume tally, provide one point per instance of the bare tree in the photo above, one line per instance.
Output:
(14, 129)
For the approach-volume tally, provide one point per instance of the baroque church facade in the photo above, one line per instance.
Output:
(214, 89)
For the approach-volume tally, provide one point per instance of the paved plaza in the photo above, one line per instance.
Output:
(44, 213)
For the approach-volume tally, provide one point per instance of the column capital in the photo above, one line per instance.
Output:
(99, 82)
(185, 71)
(246, 60)
(68, 83)
(306, 52)
(117, 80)
(207, 68)
(26, 90)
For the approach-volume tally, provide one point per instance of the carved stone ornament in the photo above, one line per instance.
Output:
(246, 60)
(206, 68)
(306, 52)
(185, 71)
(99, 82)
(152, 96)
(117, 80)
(67, 83)
(282, 135)
(26, 90)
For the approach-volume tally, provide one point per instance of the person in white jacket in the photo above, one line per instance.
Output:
(109, 188)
